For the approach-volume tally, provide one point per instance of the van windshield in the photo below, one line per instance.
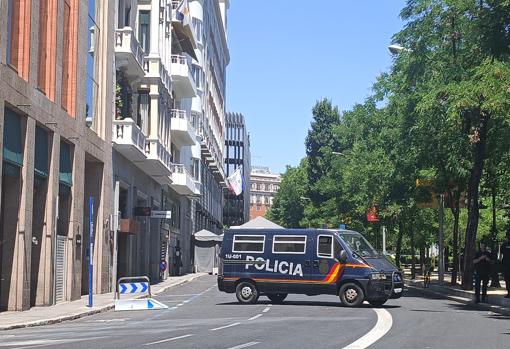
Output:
(359, 244)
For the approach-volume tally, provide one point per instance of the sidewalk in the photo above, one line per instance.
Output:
(38, 316)
(496, 300)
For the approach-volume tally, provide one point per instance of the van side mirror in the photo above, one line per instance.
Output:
(343, 257)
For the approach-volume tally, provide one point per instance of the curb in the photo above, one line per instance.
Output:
(467, 301)
(90, 312)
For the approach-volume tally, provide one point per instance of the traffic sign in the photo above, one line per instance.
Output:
(161, 214)
(133, 287)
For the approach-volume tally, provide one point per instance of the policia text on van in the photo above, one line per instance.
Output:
(277, 262)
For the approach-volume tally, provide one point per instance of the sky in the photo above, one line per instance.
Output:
(287, 54)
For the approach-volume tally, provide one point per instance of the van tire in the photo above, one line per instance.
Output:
(377, 303)
(277, 297)
(351, 295)
(247, 293)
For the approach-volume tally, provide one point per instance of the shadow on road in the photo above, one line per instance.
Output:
(314, 304)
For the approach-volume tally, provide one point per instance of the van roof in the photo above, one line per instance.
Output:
(287, 231)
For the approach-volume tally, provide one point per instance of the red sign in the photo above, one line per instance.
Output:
(372, 214)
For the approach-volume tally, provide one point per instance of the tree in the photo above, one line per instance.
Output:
(289, 202)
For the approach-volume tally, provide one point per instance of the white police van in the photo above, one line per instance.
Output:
(276, 262)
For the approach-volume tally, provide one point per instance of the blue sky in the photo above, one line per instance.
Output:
(287, 54)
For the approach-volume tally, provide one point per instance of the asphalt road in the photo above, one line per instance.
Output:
(199, 316)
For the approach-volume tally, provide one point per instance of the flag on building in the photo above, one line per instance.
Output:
(235, 181)
(182, 12)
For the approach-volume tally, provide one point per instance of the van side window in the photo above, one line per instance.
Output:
(294, 244)
(248, 243)
(325, 246)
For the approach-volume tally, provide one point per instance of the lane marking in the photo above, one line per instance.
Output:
(245, 345)
(169, 339)
(255, 317)
(227, 326)
(180, 304)
(383, 325)
(266, 310)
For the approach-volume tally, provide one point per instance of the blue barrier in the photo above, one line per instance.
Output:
(133, 287)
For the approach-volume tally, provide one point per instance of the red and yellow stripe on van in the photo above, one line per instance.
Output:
(332, 277)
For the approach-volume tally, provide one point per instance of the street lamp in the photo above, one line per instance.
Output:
(396, 49)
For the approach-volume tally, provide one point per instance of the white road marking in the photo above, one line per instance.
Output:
(222, 327)
(180, 304)
(44, 342)
(266, 310)
(170, 339)
(255, 317)
(383, 325)
(246, 345)
(108, 320)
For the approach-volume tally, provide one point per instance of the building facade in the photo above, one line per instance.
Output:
(264, 186)
(55, 149)
(168, 126)
(237, 154)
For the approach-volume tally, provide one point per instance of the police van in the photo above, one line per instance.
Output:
(276, 262)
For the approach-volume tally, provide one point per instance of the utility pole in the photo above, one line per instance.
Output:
(115, 229)
(441, 238)
(384, 239)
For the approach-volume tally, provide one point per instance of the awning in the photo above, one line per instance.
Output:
(41, 152)
(184, 35)
(66, 165)
(206, 235)
(13, 147)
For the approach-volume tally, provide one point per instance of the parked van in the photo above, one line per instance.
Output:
(276, 262)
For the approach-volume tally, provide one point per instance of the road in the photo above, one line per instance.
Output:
(199, 316)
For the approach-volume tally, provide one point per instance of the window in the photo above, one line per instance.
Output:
(69, 57)
(18, 35)
(143, 111)
(92, 85)
(248, 243)
(325, 246)
(258, 207)
(144, 30)
(293, 244)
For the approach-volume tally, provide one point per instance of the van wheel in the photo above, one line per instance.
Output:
(351, 295)
(247, 293)
(277, 297)
(377, 303)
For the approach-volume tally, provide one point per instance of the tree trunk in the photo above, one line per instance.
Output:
(399, 242)
(413, 253)
(455, 212)
(473, 197)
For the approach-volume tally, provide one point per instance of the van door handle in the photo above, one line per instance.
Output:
(316, 263)
(307, 263)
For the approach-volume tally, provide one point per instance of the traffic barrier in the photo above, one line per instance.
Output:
(131, 287)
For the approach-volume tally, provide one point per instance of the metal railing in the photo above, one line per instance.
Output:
(125, 41)
(179, 114)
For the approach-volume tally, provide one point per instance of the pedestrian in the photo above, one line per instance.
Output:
(505, 263)
(482, 262)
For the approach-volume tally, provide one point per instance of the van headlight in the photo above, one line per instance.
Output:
(378, 276)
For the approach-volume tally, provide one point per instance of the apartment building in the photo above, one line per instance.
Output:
(55, 149)
(264, 186)
(237, 154)
(170, 59)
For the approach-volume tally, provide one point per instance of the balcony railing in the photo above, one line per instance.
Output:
(155, 68)
(128, 49)
(183, 182)
(182, 77)
(158, 163)
(129, 139)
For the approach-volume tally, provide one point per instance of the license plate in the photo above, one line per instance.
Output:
(397, 290)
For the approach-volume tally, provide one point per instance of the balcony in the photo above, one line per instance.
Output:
(183, 133)
(158, 164)
(129, 140)
(128, 52)
(183, 182)
(184, 84)
(154, 69)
